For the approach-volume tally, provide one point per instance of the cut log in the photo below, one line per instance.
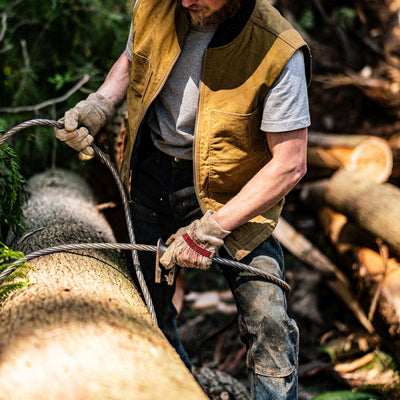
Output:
(394, 143)
(369, 155)
(376, 275)
(372, 206)
(80, 329)
(302, 248)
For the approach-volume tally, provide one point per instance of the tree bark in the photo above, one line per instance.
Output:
(80, 329)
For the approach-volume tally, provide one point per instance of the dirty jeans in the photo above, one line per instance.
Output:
(163, 200)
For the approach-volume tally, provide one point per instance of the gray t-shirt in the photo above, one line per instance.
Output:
(172, 116)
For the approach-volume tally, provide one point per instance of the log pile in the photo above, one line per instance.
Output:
(358, 211)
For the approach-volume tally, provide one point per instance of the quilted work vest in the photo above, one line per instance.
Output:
(243, 60)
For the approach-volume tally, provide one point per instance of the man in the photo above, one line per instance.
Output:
(218, 117)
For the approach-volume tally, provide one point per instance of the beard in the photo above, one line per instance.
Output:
(228, 10)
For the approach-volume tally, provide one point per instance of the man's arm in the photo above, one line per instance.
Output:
(116, 83)
(194, 246)
(275, 180)
(82, 122)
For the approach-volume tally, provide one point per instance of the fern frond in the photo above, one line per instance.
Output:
(6, 290)
(17, 279)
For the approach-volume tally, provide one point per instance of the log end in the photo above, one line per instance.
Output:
(373, 158)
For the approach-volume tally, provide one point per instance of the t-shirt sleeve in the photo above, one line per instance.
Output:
(286, 105)
(128, 49)
(129, 44)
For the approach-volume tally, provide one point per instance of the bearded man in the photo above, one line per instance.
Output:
(218, 116)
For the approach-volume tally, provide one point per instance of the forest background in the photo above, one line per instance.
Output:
(53, 53)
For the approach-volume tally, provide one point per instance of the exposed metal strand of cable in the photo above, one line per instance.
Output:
(141, 247)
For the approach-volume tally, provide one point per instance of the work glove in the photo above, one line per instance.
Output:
(195, 245)
(82, 122)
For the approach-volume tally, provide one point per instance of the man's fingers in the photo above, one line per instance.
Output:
(71, 119)
(88, 151)
(82, 140)
(64, 135)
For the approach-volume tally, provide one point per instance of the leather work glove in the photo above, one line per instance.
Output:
(195, 245)
(83, 121)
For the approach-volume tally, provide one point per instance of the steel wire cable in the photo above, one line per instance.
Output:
(133, 246)
(143, 247)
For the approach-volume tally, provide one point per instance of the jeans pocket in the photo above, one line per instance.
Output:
(144, 223)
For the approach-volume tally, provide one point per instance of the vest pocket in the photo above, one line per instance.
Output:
(234, 136)
(139, 74)
(237, 150)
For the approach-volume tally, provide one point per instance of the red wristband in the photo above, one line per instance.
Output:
(194, 246)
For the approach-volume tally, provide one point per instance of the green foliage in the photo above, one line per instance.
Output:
(18, 279)
(12, 188)
(307, 19)
(345, 16)
(345, 395)
(59, 80)
(58, 38)
(46, 49)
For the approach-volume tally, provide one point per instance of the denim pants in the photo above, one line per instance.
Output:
(163, 200)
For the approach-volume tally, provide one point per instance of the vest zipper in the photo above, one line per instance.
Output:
(195, 177)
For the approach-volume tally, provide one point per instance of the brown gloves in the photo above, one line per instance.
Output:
(83, 121)
(195, 245)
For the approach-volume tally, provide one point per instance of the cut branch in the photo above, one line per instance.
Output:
(373, 206)
(47, 103)
(376, 275)
(3, 30)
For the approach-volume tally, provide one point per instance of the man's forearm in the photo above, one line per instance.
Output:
(274, 181)
(116, 83)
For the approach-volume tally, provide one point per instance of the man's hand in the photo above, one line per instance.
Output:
(82, 122)
(194, 246)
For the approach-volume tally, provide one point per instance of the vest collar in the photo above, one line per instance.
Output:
(231, 28)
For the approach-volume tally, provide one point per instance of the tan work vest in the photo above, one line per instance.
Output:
(244, 59)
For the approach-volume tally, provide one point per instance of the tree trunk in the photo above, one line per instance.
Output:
(80, 329)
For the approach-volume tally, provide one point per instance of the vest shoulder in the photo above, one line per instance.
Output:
(153, 8)
(268, 18)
